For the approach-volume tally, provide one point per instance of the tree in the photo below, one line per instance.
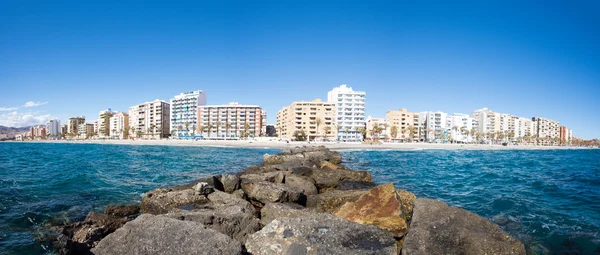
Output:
(159, 129)
(187, 127)
(209, 127)
(139, 133)
(148, 131)
(227, 128)
(327, 130)
(363, 132)
(126, 133)
(347, 131)
(218, 126)
(246, 129)
(300, 135)
(412, 131)
(132, 130)
(337, 130)
(394, 132)
(318, 121)
(201, 128)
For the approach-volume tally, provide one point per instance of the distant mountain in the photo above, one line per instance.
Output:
(13, 130)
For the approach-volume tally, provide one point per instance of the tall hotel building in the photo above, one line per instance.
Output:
(184, 109)
(303, 116)
(150, 119)
(103, 124)
(404, 121)
(230, 120)
(53, 127)
(119, 125)
(350, 106)
(546, 128)
(73, 124)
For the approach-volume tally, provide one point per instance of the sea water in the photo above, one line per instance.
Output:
(549, 199)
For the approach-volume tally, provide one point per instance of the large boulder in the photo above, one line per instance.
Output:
(326, 179)
(150, 234)
(229, 182)
(267, 192)
(350, 185)
(274, 177)
(272, 211)
(380, 206)
(122, 210)
(222, 199)
(306, 185)
(161, 201)
(320, 234)
(80, 237)
(437, 228)
(269, 159)
(234, 221)
(332, 200)
(408, 202)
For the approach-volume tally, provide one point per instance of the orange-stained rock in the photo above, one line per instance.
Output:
(327, 164)
(408, 203)
(380, 206)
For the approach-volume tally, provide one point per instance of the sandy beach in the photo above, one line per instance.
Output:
(274, 143)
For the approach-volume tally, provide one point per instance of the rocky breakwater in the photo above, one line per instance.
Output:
(300, 201)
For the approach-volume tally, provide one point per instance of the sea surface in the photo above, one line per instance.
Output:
(549, 199)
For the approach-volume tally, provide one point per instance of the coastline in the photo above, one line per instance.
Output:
(275, 144)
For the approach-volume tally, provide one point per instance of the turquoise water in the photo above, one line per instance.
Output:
(548, 198)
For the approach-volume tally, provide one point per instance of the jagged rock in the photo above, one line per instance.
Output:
(122, 210)
(239, 194)
(327, 164)
(211, 180)
(160, 201)
(274, 177)
(307, 186)
(437, 228)
(202, 188)
(149, 234)
(219, 198)
(408, 203)
(332, 200)
(234, 221)
(320, 234)
(267, 192)
(80, 237)
(230, 183)
(272, 211)
(278, 159)
(325, 155)
(380, 206)
(330, 178)
(350, 185)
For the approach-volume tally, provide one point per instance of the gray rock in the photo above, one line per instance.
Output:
(437, 228)
(320, 234)
(274, 177)
(230, 183)
(202, 188)
(324, 155)
(351, 185)
(307, 186)
(332, 200)
(122, 210)
(211, 180)
(331, 178)
(150, 234)
(267, 192)
(278, 159)
(234, 221)
(219, 198)
(272, 211)
(161, 201)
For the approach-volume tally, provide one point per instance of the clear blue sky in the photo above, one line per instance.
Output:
(80, 57)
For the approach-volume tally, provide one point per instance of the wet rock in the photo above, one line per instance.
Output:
(304, 184)
(203, 188)
(150, 234)
(267, 192)
(122, 210)
(230, 183)
(272, 211)
(320, 234)
(351, 185)
(332, 200)
(437, 228)
(380, 206)
(160, 201)
(233, 221)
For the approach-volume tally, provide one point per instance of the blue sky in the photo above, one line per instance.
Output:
(80, 57)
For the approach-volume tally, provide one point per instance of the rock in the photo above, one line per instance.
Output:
(437, 228)
(302, 183)
(331, 178)
(107, 223)
(538, 249)
(320, 234)
(234, 221)
(122, 210)
(325, 155)
(230, 183)
(272, 211)
(381, 207)
(160, 201)
(408, 203)
(202, 188)
(327, 164)
(149, 234)
(211, 180)
(332, 200)
(350, 185)
(274, 177)
(278, 159)
(239, 194)
(80, 237)
(267, 192)
(219, 198)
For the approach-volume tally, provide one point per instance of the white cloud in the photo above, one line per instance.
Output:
(5, 109)
(16, 119)
(34, 104)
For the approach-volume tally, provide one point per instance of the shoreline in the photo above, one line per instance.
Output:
(273, 144)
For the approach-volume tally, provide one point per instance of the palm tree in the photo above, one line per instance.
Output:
(159, 129)
(318, 121)
(187, 127)
(209, 127)
(246, 129)
(179, 128)
(132, 131)
(148, 131)
(201, 128)
(153, 130)
(327, 130)
(218, 126)
(412, 131)
(228, 127)
(347, 131)
(337, 130)
(363, 132)
(394, 132)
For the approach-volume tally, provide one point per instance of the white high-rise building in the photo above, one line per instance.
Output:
(149, 119)
(103, 124)
(53, 127)
(350, 112)
(460, 126)
(435, 125)
(119, 125)
(184, 111)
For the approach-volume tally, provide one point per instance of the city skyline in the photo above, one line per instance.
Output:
(528, 61)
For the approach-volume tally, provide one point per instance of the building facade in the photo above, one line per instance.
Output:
(53, 128)
(350, 106)
(459, 127)
(566, 135)
(435, 125)
(407, 125)
(547, 130)
(73, 124)
(316, 119)
(64, 129)
(381, 123)
(85, 130)
(102, 126)
(119, 125)
(150, 120)
(231, 120)
(270, 130)
(184, 111)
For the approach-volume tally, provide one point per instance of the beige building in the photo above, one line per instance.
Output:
(231, 120)
(382, 123)
(404, 120)
(119, 125)
(150, 119)
(546, 129)
(102, 126)
(85, 131)
(304, 116)
(73, 124)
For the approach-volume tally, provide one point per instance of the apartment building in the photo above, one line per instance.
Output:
(486, 121)
(64, 129)
(435, 125)
(150, 119)
(459, 127)
(53, 127)
(85, 130)
(73, 124)
(546, 128)
(350, 106)
(404, 121)
(316, 118)
(232, 120)
(102, 126)
(119, 125)
(382, 123)
(184, 111)
(566, 135)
